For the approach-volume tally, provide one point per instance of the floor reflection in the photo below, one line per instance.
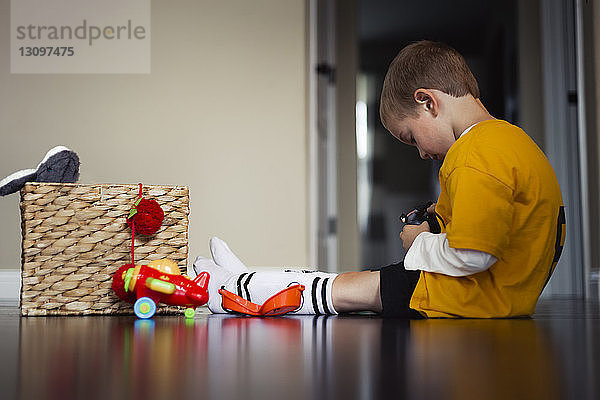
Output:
(229, 357)
(480, 359)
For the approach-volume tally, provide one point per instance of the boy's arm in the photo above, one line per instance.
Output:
(431, 252)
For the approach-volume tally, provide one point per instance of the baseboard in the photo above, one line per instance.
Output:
(10, 286)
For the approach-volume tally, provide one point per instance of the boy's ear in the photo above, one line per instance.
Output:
(427, 100)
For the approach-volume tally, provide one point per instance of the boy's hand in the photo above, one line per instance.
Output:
(410, 232)
(431, 209)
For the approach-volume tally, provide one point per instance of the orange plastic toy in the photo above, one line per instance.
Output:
(285, 301)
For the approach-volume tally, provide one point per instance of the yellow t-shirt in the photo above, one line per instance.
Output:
(499, 194)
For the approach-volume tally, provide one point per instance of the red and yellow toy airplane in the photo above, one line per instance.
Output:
(159, 282)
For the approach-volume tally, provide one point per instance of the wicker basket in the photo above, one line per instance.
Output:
(75, 237)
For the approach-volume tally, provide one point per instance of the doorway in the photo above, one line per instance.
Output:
(391, 176)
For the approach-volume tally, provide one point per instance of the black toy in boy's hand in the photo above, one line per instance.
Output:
(420, 215)
(416, 216)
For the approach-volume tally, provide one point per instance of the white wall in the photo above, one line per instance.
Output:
(223, 111)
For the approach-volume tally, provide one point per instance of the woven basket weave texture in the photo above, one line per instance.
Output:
(76, 236)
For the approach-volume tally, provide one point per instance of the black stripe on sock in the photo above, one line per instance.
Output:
(246, 286)
(314, 295)
(239, 284)
(324, 296)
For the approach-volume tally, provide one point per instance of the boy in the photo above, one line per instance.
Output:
(500, 209)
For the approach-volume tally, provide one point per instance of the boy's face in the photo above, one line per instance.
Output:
(427, 132)
(429, 129)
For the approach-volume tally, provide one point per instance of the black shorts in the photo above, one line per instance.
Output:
(396, 286)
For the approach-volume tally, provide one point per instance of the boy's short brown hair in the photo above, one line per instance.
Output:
(428, 65)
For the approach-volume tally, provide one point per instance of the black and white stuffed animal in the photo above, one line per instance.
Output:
(60, 165)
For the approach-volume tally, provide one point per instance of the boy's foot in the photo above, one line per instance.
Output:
(226, 270)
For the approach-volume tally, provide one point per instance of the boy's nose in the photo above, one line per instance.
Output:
(423, 155)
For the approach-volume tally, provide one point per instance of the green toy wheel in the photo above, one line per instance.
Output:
(189, 313)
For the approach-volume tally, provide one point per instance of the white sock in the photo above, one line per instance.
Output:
(218, 276)
(224, 257)
(227, 271)
(258, 286)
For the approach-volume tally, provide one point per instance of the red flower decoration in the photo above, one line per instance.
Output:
(147, 216)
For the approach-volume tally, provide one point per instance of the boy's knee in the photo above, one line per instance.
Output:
(357, 291)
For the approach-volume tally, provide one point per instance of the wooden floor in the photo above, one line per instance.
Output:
(554, 355)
